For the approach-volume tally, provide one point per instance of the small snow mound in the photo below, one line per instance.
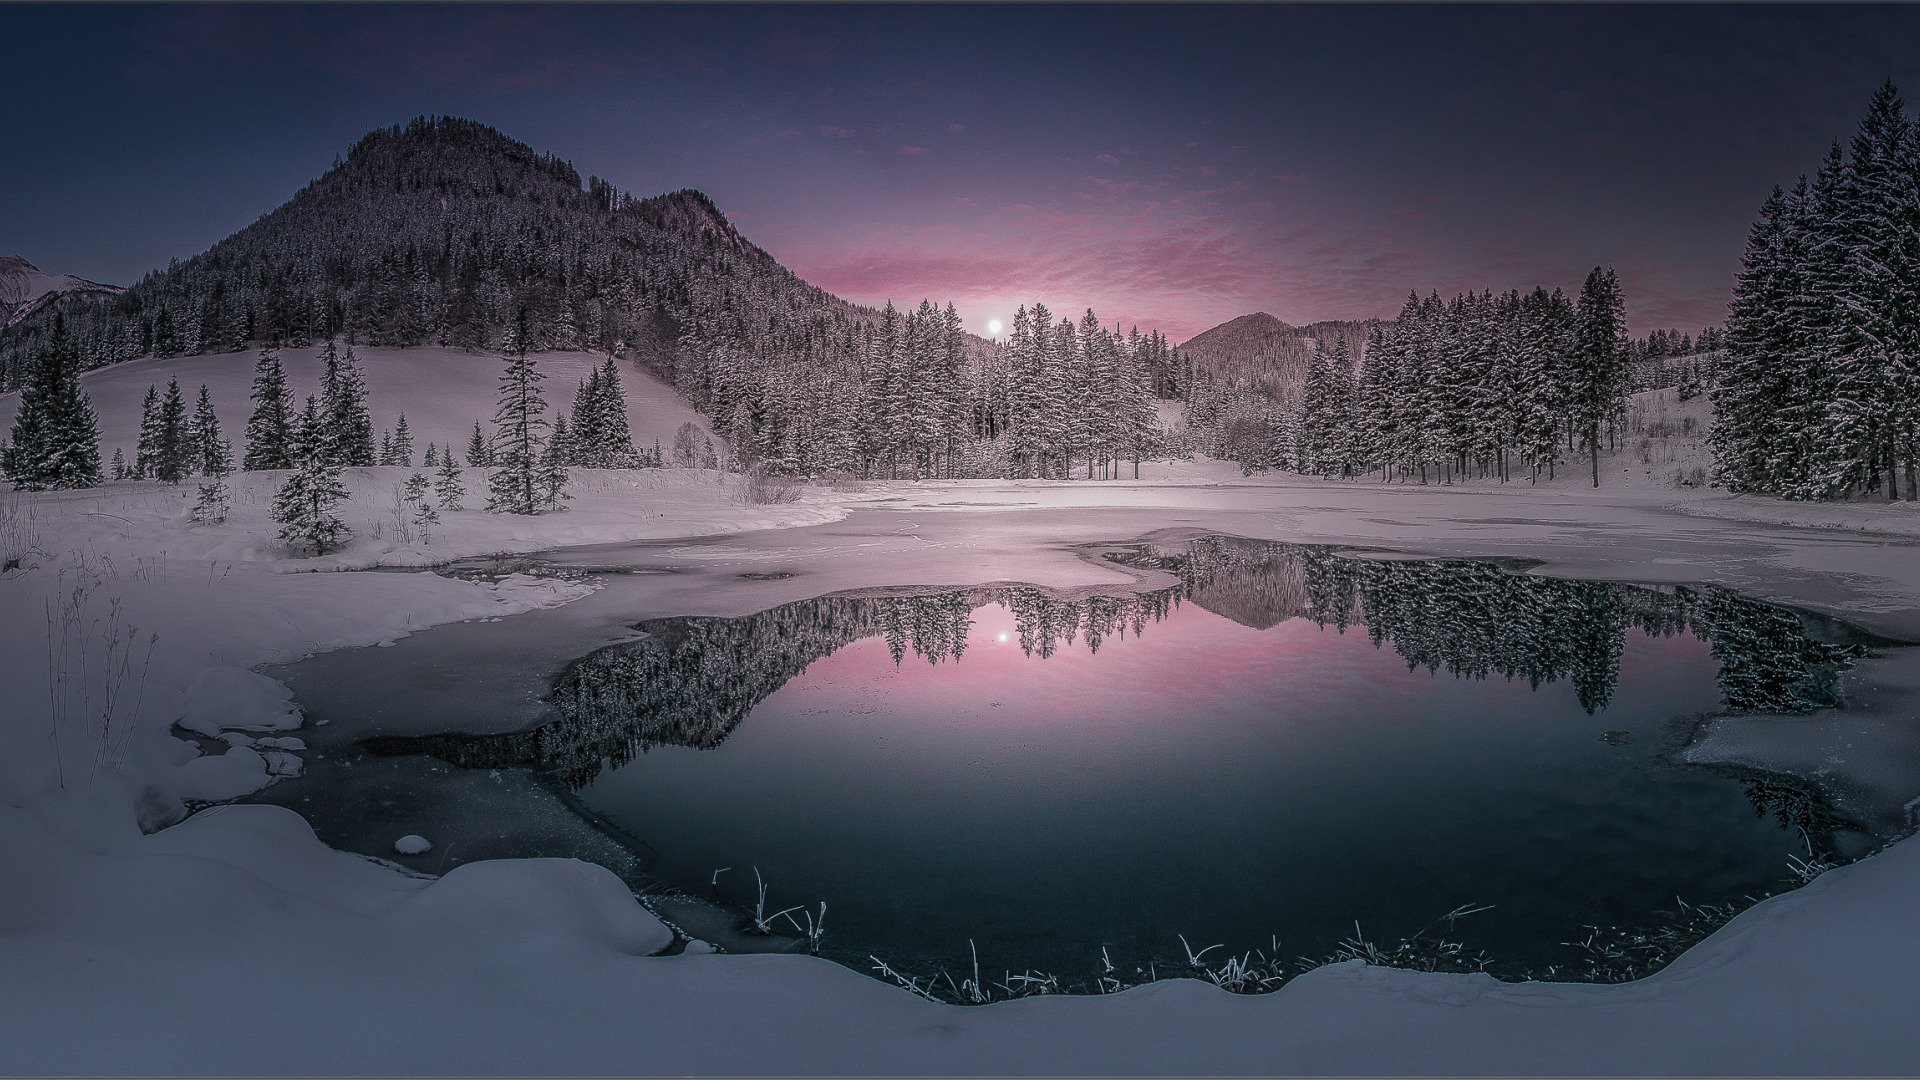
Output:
(412, 844)
(230, 698)
(222, 777)
(543, 907)
(696, 947)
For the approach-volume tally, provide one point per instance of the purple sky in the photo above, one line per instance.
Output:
(1172, 167)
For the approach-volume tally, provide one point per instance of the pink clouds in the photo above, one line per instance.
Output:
(1159, 264)
(1171, 264)
(956, 128)
(912, 151)
(837, 132)
(1107, 159)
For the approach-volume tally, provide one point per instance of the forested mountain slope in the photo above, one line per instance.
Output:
(443, 232)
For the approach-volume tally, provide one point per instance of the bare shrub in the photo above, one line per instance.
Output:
(760, 486)
(686, 446)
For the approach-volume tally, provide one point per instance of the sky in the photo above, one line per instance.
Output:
(1171, 167)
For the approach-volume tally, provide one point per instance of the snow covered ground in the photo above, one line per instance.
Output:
(441, 391)
(234, 942)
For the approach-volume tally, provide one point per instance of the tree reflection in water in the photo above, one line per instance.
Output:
(692, 680)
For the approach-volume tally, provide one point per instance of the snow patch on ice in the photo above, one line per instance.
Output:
(235, 699)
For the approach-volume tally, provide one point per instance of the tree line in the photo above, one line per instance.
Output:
(1819, 393)
(911, 395)
(1481, 385)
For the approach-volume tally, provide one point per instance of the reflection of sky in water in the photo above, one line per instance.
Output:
(1206, 779)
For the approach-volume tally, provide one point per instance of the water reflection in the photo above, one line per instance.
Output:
(691, 681)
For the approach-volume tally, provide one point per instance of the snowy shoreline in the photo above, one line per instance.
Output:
(120, 943)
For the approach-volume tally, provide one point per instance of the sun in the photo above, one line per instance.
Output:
(993, 327)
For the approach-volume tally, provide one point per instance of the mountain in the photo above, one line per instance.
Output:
(448, 232)
(1261, 353)
(25, 289)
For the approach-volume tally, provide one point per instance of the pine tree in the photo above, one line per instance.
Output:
(601, 436)
(561, 445)
(1751, 450)
(1312, 453)
(479, 451)
(55, 443)
(447, 486)
(216, 498)
(349, 426)
(172, 450)
(432, 458)
(269, 436)
(209, 454)
(1597, 382)
(515, 486)
(119, 464)
(401, 451)
(553, 468)
(149, 441)
(585, 401)
(304, 505)
(165, 344)
(1872, 227)
(424, 519)
(1342, 407)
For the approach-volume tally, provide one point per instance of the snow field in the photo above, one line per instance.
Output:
(441, 391)
(133, 948)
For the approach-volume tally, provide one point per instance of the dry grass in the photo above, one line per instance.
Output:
(19, 534)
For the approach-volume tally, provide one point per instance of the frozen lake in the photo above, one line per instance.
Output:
(1287, 741)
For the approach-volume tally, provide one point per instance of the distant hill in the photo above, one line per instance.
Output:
(25, 289)
(1261, 353)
